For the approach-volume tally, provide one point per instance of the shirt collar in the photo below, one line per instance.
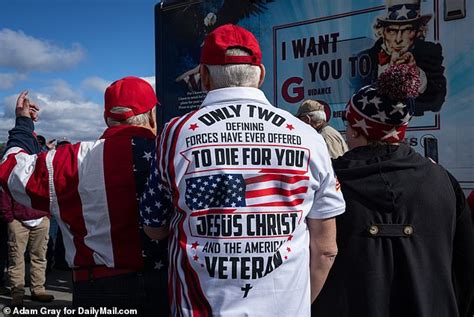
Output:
(230, 94)
(127, 130)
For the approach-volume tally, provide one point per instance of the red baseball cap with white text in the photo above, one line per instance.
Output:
(230, 36)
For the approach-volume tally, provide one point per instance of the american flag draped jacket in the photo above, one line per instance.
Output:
(90, 187)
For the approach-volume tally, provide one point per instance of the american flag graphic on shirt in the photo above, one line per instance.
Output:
(245, 190)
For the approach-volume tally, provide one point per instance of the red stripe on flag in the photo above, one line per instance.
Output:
(213, 211)
(122, 202)
(199, 303)
(275, 177)
(275, 191)
(295, 202)
(6, 169)
(282, 171)
(66, 182)
(38, 185)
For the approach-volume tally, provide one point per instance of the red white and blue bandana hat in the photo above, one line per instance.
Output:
(381, 111)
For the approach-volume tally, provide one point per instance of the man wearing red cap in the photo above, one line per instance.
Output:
(247, 193)
(92, 188)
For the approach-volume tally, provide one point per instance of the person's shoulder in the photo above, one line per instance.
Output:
(427, 48)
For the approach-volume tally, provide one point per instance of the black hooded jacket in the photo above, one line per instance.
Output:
(405, 241)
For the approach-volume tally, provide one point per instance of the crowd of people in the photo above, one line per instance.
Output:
(237, 209)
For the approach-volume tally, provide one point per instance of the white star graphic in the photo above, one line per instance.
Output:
(392, 133)
(407, 117)
(402, 12)
(157, 204)
(158, 265)
(381, 115)
(399, 107)
(151, 191)
(362, 124)
(146, 222)
(376, 101)
(148, 210)
(365, 101)
(147, 156)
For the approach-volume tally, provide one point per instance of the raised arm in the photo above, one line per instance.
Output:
(22, 135)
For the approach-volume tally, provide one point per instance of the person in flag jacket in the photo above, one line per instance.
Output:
(93, 188)
(247, 193)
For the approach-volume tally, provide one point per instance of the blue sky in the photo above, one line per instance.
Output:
(65, 53)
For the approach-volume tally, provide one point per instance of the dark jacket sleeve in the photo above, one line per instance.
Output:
(6, 207)
(463, 254)
(22, 136)
(429, 58)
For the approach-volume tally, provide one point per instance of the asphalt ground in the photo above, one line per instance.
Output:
(58, 284)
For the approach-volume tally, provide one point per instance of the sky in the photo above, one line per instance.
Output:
(65, 53)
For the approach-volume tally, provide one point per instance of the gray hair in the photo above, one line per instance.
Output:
(317, 116)
(138, 120)
(234, 75)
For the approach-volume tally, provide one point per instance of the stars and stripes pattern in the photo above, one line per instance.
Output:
(403, 12)
(377, 116)
(91, 189)
(155, 202)
(154, 252)
(244, 190)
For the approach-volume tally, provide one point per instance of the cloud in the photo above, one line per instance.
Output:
(65, 112)
(8, 80)
(60, 90)
(74, 120)
(26, 53)
(100, 84)
(150, 80)
(95, 83)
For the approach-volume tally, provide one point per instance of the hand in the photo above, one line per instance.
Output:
(24, 108)
(406, 58)
(50, 144)
(34, 112)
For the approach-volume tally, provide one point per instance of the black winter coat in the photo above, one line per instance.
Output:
(405, 241)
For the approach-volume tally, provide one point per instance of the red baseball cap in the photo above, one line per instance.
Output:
(131, 92)
(229, 36)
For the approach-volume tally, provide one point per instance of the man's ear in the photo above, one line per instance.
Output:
(205, 78)
(152, 119)
(262, 75)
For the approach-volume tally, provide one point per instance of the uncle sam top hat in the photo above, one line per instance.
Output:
(404, 11)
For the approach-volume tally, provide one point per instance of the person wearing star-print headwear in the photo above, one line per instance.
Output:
(401, 40)
(405, 242)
